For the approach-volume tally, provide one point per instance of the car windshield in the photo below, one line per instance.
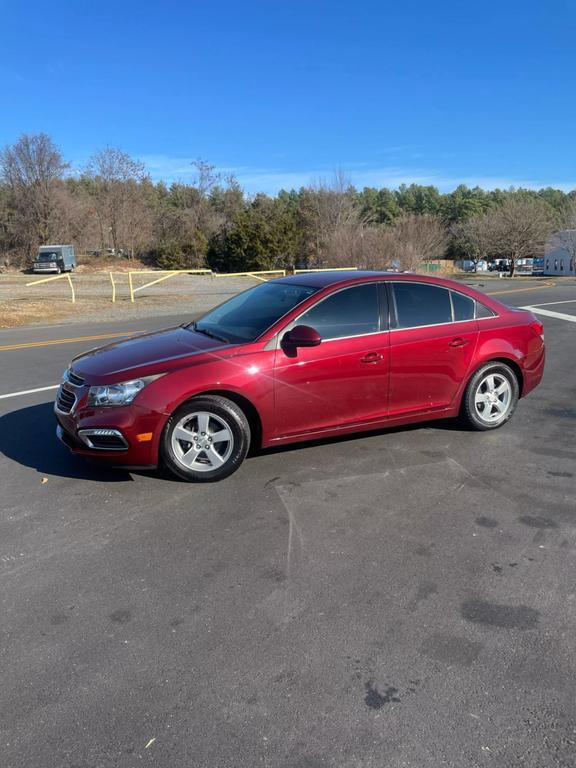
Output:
(47, 256)
(246, 316)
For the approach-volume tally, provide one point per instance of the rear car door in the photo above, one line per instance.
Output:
(344, 380)
(433, 337)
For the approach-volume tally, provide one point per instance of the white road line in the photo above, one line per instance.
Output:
(29, 391)
(551, 303)
(549, 313)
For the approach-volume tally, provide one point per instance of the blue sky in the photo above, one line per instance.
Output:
(282, 94)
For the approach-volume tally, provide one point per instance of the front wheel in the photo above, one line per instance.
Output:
(205, 439)
(491, 397)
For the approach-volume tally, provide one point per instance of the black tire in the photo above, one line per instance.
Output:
(223, 414)
(471, 411)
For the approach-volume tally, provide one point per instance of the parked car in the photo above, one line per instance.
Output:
(55, 258)
(300, 358)
(501, 265)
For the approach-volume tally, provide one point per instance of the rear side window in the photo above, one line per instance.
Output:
(483, 311)
(421, 304)
(463, 306)
(350, 312)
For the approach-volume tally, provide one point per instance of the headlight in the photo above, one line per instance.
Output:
(116, 394)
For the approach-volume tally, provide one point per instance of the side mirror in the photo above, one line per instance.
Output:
(301, 336)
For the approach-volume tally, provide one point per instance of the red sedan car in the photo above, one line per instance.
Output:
(300, 358)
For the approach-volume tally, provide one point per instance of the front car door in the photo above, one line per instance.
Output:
(432, 341)
(344, 380)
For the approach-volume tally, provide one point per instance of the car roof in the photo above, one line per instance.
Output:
(324, 279)
(349, 276)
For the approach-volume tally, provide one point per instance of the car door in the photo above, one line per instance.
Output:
(432, 341)
(344, 380)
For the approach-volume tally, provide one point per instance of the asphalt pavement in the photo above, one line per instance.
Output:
(399, 599)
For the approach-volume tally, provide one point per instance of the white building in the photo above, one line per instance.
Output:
(560, 252)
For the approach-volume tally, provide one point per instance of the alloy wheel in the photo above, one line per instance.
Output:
(493, 398)
(202, 441)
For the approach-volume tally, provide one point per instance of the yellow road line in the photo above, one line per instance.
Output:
(521, 290)
(74, 340)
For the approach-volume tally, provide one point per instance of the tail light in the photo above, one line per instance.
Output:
(538, 327)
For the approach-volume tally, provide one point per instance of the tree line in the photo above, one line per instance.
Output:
(112, 206)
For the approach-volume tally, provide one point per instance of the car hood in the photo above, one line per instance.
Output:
(145, 355)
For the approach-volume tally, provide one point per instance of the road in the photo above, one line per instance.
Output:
(402, 599)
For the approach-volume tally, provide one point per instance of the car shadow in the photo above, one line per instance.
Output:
(28, 437)
(449, 425)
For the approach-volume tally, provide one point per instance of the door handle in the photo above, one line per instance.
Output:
(458, 342)
(372, 357)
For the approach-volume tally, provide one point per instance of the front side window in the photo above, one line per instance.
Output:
(245, 317)
(420, 304)
(350, 312)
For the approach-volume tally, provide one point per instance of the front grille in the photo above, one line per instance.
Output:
(74, 379)
(65, 400)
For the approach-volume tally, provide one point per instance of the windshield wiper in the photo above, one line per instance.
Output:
(212, 335)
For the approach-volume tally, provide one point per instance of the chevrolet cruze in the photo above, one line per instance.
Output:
(300, 358)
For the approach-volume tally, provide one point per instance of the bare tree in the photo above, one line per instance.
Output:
(474, 238)
(72, 220)
(412, 240)
(114, 178)
(519, 228)
(333, 221)
(31, 169)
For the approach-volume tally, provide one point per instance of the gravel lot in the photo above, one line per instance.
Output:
(20, 305)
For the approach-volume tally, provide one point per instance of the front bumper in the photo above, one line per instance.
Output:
(139, 428)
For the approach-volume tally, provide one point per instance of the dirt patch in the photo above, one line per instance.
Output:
(29, 312)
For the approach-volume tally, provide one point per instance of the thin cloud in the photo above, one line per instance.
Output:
(271, 180)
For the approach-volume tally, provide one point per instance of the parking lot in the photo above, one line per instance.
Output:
(399, 599)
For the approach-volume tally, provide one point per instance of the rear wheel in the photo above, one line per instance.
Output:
(491, 397)
(206, 439)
